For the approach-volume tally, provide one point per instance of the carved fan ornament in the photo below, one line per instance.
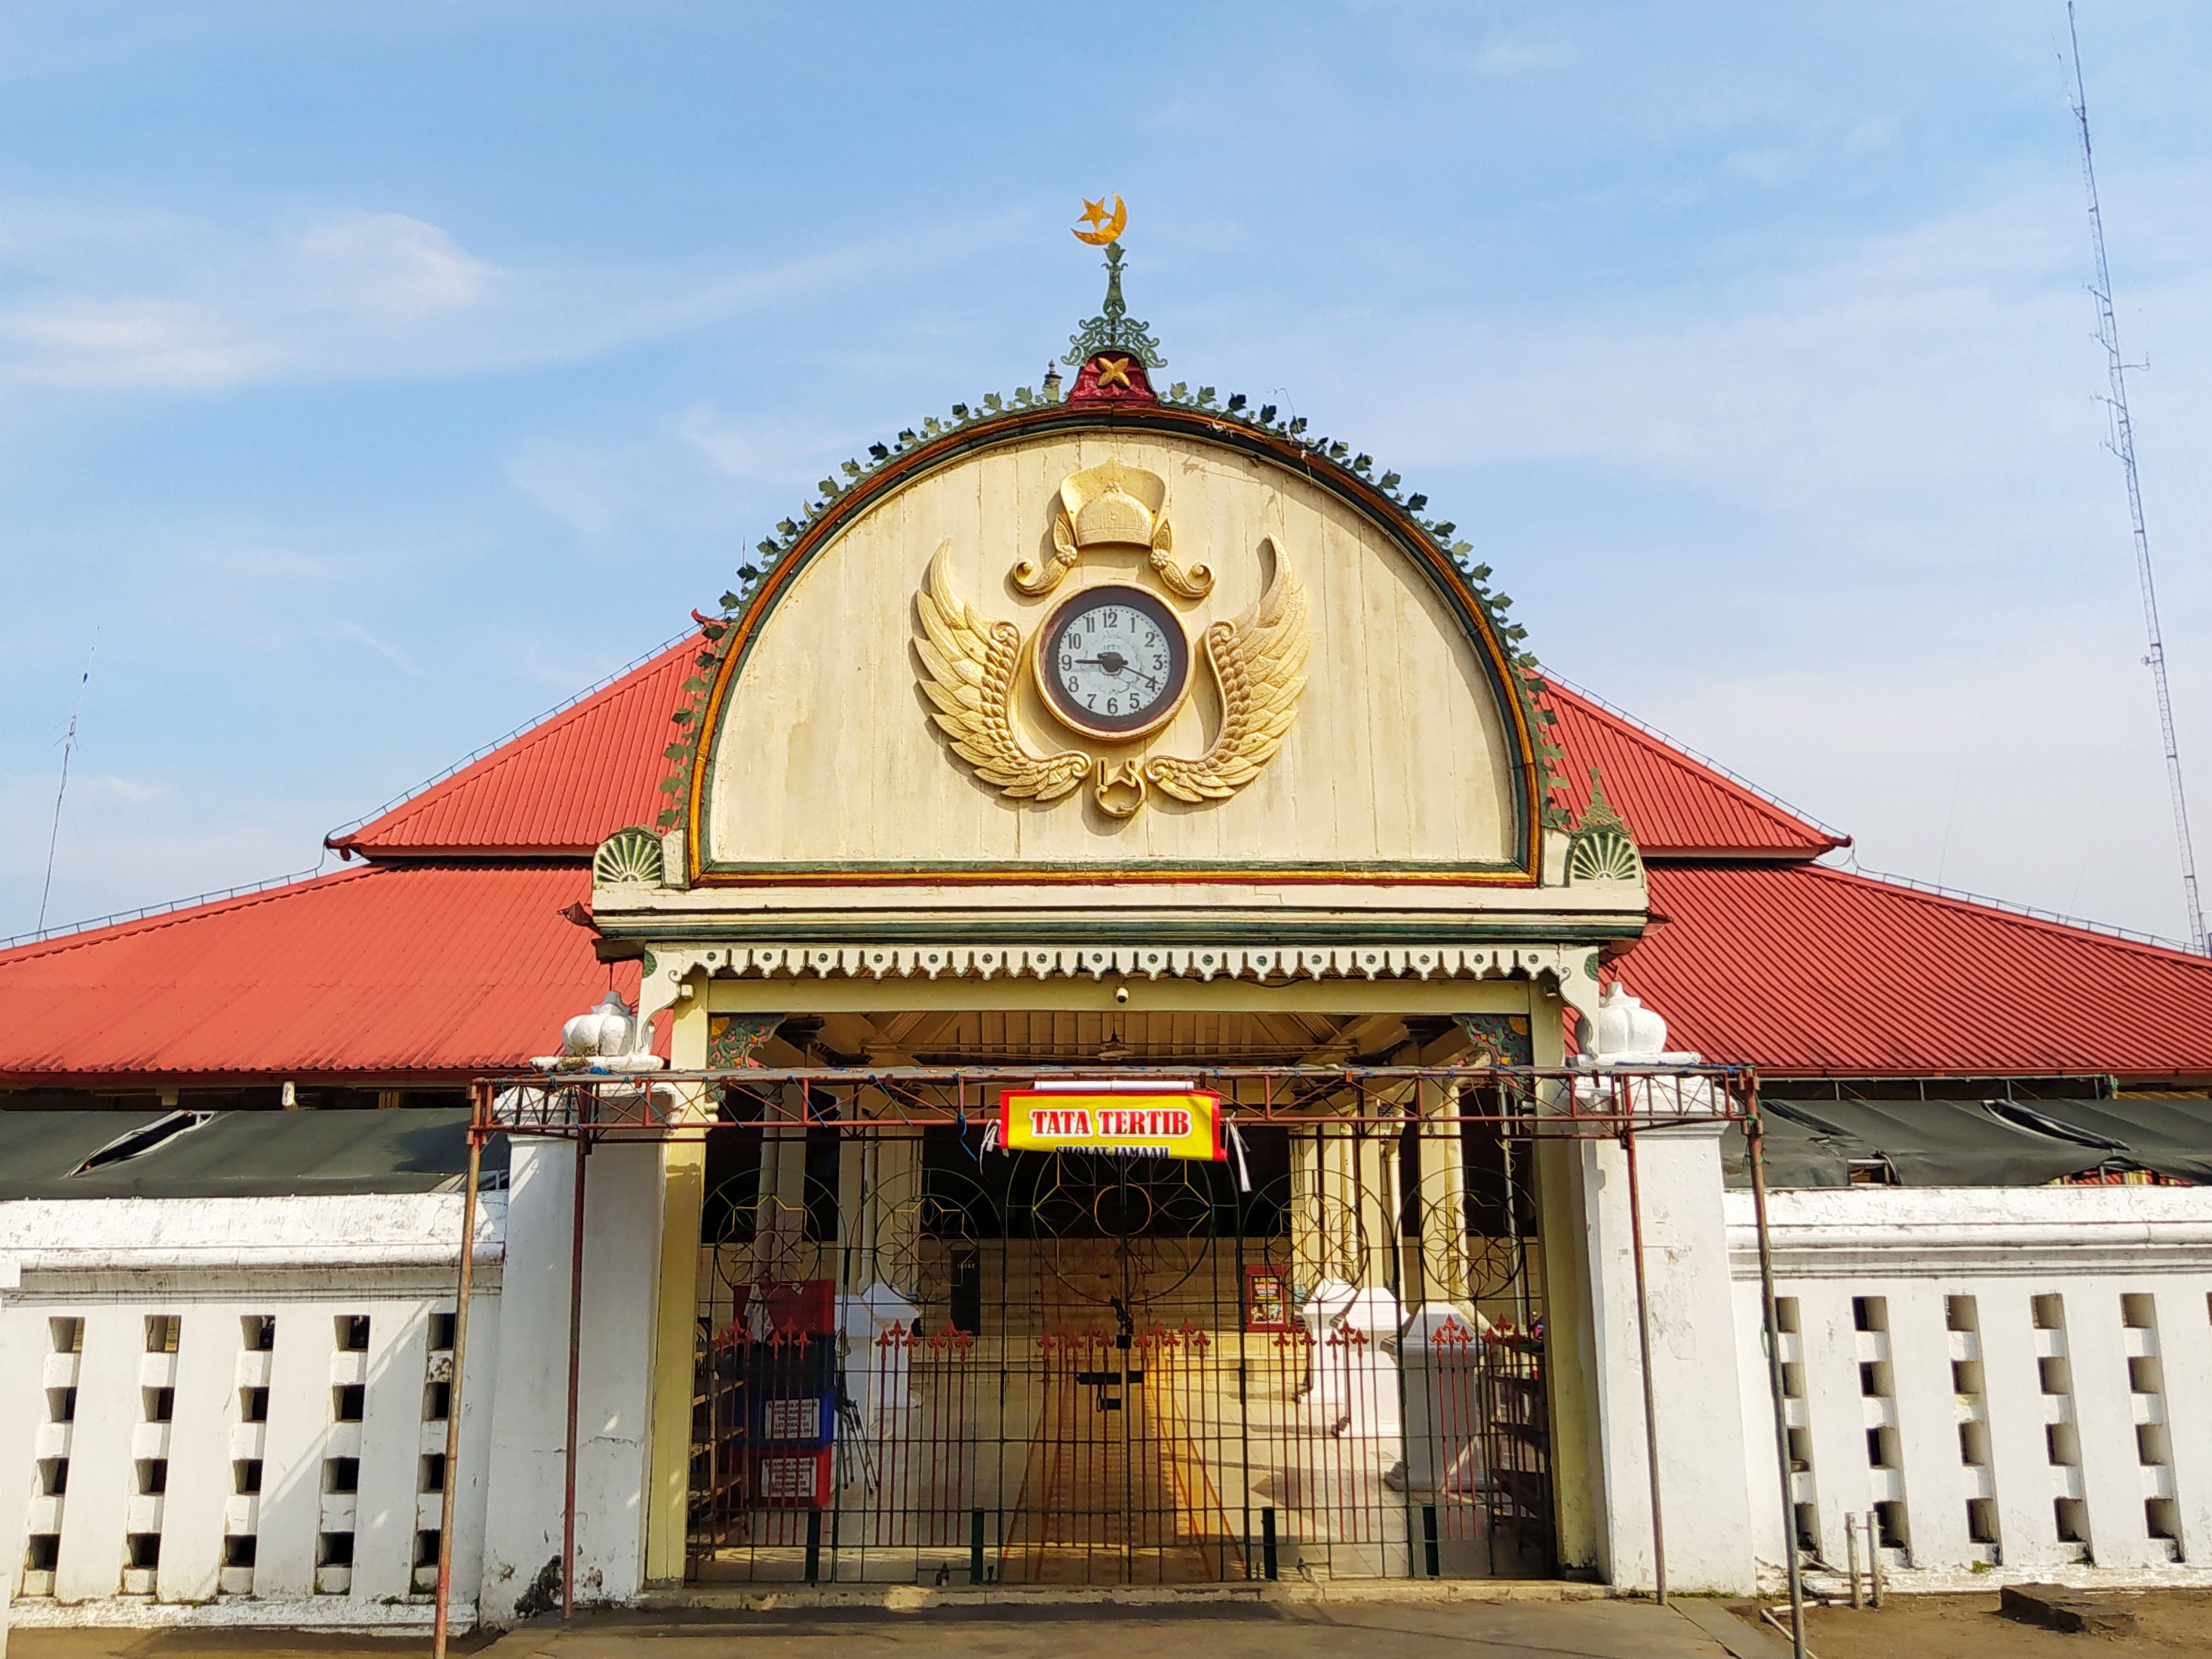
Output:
(627, 855)
(1138, 670)
(1602, 848)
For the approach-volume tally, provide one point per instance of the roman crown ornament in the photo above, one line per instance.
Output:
(1111, 505)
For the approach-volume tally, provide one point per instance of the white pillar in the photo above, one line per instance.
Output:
(1371, 1157)
(1308, 1251)
(1834, 1406)
(2184, 1341)
(893, 1213)
(294, 1443)
(2111, 1472)
(1936, 1480)
(622, 1232)
(23, 1358)
(2020, 1459)
(1701, 1448)
(391, 1442)
(101, 1446)
(208, 1341)
(1442, 1218)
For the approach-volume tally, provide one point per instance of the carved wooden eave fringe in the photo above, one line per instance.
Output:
(1257, 963)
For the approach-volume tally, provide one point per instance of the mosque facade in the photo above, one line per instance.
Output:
(1099, 1022)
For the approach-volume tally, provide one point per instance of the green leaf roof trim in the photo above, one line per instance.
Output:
(1526, 682)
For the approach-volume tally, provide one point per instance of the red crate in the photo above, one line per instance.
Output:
(788, 1481)
(804, 1307)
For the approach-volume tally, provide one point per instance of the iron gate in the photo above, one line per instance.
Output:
(919, 1360)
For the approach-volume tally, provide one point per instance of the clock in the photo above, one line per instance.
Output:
(1112, 662)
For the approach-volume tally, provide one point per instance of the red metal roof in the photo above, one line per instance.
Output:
(562, 787)
(444, 958)
(397, 972)
(1676, 807)
(1810, 971)
(566, 784)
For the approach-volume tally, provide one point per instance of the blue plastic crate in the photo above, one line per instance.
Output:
(796, 1422)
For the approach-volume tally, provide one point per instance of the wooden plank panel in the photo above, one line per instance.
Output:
(827, 755)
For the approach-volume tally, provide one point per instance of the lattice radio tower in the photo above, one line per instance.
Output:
(2122, 442)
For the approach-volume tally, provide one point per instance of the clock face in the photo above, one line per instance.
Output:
(1113, 662)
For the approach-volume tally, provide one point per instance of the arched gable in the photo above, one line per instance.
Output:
(822, 756)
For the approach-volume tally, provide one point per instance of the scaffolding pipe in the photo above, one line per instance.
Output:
(576, 1355)
(1754, 1135)
(1643, 1351)
(441, 1619)
(921, 1096)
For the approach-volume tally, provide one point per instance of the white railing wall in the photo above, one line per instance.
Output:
(2016, 1380)
(238, 1406)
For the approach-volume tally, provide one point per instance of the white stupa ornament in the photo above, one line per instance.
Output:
(1626, 1033)
(609, 1038)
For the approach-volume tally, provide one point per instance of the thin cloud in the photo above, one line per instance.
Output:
(163, 343)
(1505, 60)
(390, 271)
(768, 451)
(108, 786)
(575, 485)
(391, 654)
(369, 295)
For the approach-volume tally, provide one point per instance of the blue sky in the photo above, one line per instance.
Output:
(373, 377)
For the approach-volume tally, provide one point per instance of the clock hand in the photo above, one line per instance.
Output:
(1114, 662)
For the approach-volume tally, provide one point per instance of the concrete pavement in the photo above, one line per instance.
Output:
(1592, 1629)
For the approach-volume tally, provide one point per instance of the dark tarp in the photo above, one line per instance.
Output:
(1925, 1143)
(242, 1154)
(1795, 1156)
(37, 1147)
(2170, 1133)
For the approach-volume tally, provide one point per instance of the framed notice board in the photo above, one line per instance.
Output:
(1268, 1298)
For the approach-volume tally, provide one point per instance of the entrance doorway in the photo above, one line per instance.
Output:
(922, 1359)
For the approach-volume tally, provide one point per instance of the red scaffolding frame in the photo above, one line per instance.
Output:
(1575, 1104)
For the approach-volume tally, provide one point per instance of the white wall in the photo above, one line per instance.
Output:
(1922, 1262)
(1700, 1423)
(622, 1224)
(214, 1264)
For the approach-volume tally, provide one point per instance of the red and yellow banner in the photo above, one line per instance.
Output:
(1146, 1122)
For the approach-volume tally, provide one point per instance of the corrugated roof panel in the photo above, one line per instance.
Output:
(561, 786)
(1804, 970)
(386, 971)
(397, 971)
(1674, 806)
(565, 785)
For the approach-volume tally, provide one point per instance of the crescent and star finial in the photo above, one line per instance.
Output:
(1105, 227)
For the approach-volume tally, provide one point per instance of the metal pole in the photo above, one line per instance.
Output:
(439, 1623)
(1754, 1140)
(575, 1353)
(1643, 1348)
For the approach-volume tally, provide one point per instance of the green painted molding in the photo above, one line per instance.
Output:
(1489, 932)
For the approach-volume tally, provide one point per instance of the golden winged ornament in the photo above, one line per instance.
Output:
(1259, 663)
(972, 664)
